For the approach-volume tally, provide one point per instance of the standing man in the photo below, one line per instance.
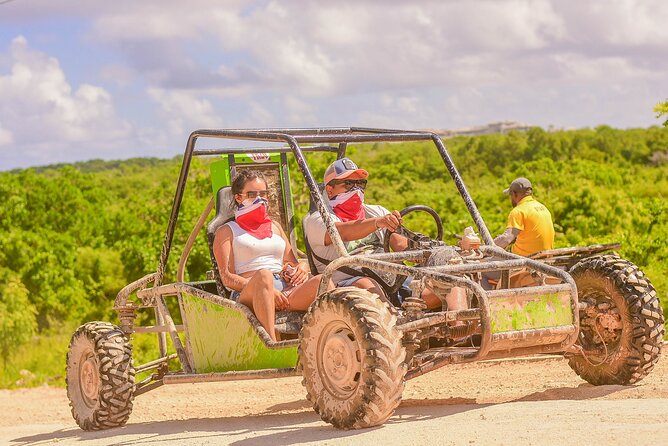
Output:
(359, 224)
(530, 225)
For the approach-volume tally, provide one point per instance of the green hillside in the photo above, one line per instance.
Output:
(72, 235)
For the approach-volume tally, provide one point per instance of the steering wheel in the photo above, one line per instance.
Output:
(415, 239)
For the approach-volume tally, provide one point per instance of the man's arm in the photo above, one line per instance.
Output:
(508, 237)
(358, 229)
(353, 230)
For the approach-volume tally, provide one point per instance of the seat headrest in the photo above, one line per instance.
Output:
(312, 206)
(224, 209)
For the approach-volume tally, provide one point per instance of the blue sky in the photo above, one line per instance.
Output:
(113, 80)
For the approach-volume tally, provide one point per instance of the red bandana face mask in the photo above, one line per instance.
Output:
(349, 205)
(254, 219)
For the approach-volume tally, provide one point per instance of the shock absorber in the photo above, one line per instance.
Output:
(414, 305)
(127, 317)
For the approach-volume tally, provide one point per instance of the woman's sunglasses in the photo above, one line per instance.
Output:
(349, 184)
(255, 193)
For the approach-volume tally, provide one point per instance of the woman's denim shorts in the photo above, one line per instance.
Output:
(279, 284)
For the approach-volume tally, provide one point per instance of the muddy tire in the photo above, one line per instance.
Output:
(352, 359)
(100, 376)
(621, 330)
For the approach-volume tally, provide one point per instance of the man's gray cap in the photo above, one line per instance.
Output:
(520, 184)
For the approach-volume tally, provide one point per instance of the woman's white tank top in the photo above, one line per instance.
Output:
(252, 254)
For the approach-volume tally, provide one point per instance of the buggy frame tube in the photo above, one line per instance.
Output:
(161, 307)
(284, 149)
(444, 275)
(162, 336)
(182, 378)
(459, 183)
(317, 197)
(290, 215)
(180, 271)
(419, 273)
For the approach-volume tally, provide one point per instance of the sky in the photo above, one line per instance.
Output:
(118, 79)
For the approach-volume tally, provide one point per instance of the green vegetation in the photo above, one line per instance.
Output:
(17, 317)
(661, 109)
(72, 235)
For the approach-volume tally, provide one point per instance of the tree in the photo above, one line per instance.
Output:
(17, 317)
(662, 109)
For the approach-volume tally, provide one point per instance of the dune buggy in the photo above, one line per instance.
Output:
(354, 350)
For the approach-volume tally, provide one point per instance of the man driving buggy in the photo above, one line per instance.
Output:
(360, 224)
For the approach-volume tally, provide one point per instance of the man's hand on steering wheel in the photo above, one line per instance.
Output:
(390, 221)
(413, 238)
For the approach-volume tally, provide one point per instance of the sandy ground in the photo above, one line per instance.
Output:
(532, 401)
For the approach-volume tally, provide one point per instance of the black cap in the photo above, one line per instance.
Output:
(520, 184)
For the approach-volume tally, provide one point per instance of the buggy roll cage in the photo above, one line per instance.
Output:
(330, 139)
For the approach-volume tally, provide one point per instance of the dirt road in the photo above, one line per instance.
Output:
(520, 402)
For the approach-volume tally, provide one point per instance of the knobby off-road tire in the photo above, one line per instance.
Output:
(627, 318)
(352, 359)
(100, 376)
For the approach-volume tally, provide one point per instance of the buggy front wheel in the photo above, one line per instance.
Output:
(100, 376)
(352, 358)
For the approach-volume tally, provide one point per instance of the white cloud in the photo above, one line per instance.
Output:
(6, 136)
(407, 110)
(401, 104)
(147, 22)
(627, 23)
(328, 49)
(300, 113)
(184, 111)
(118, 74)
(260, 116)
(505, 26)
(428, 63)
(575, 67)
(42, 113)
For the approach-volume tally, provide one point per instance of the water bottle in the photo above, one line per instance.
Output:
(470, 239)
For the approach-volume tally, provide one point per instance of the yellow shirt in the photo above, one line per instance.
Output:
(534, 221)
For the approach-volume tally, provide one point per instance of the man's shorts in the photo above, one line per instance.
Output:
(349, 281)
(404, 290)
(279, 284)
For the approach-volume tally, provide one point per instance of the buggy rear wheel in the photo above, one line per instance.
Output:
(352, 359)
(100, 376)
(621, 330)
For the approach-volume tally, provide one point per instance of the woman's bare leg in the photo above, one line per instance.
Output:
(302, 296)
(258, 295)
(372, 286)
(367, 284)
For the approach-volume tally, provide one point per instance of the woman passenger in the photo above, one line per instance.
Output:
(255, 258)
